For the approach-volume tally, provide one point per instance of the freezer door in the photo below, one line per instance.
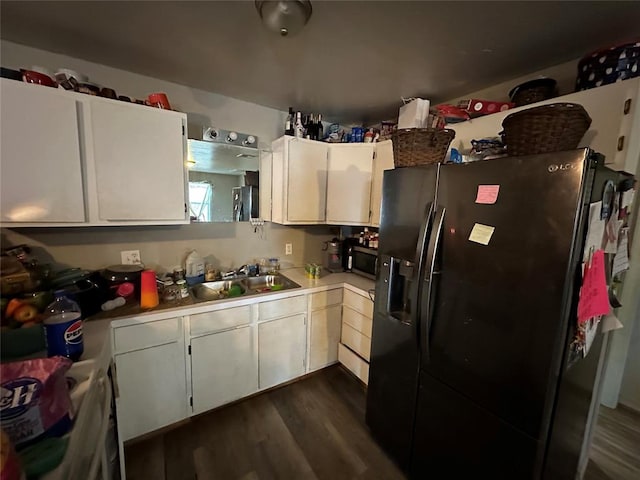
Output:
(500, 281)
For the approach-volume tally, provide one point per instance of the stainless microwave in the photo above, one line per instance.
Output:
(364, 261)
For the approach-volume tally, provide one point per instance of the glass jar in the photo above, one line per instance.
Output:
(182, 288)
(274, 266)
(170, 291)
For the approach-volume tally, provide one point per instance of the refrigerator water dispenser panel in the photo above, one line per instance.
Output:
(397, 276)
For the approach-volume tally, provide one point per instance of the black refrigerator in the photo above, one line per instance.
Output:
(471, 372)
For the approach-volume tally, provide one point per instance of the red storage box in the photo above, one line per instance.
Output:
(475, 107)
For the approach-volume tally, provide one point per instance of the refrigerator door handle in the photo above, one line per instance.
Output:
(418, 265)
(427, 300)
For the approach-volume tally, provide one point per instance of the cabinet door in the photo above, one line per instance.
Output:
(152, 389)
(139, 162)
(349, 184)
(382, 161)
(224, 367)
(41, 167)
(307, 181)
(281, 350)
(324, 337)
(265, 185)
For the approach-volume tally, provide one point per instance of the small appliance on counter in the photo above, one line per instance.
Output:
(124, 280)
(332, 259)
(358, 259)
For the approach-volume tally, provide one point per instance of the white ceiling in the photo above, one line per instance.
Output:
(354, 60)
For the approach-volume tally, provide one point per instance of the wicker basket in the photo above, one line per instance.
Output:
(420, 146)
(533, 91)
(549, 128)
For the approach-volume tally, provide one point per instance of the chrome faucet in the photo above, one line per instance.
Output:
(243, 271)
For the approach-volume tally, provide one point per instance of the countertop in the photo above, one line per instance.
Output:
(96, 329)
(132, 313)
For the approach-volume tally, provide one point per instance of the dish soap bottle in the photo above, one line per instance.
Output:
(194, 268)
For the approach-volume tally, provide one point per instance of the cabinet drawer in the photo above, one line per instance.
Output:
(218, 320)
(356, 341)
(326, 298)
(282, 308)
(136, 337)
(361, 304)
(358, 321)
(354, 363)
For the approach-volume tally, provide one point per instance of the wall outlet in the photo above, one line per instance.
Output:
(130, 257)
(288, 249)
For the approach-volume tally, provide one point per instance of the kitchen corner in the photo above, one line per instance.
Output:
(273, 338)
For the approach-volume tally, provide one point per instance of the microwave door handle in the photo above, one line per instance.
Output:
(418, 264)
(428, 299)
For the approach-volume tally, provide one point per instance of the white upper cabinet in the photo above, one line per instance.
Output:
(323, 183)
(383, 161)
(40, 158)
(138, 156)
(615, 113)
(350, 168)
(74, 159)
(299, 181)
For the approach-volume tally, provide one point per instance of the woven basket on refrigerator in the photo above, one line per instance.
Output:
(549, 128)
(420, 146)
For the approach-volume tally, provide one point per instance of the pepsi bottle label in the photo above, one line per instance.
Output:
(63, 336)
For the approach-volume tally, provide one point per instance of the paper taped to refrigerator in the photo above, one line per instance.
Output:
(481, 234)
(487, 194)
(595, 231)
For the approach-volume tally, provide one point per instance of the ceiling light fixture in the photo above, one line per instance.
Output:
(285, 17)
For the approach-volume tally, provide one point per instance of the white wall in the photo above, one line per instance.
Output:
(630, 388)
(564, 73)
(224, 244)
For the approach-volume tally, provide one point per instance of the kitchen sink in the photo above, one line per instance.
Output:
(269, 283)
(242, 287)
(219, 290)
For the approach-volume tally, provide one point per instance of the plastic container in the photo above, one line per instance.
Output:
(194, 268)
(63, 328)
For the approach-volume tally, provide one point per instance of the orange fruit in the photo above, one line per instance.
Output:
(25, 313)
(12, 306)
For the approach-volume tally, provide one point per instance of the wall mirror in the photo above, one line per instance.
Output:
(223, 181)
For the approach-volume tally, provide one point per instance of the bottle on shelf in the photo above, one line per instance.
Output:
(319, 128)
(298, 127)
(367, 237)
(361, 239)
(288, 125)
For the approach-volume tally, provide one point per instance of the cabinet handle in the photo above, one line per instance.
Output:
(627, 106)
(620, 143)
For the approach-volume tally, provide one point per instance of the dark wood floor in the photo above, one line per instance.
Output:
(315, 429)
(615, 451)
(312, 429)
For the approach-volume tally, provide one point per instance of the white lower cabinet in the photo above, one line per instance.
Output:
(151, 388)
(224, 368)
(282, 349)
(355, 341)
(324, 327)
(324, 337)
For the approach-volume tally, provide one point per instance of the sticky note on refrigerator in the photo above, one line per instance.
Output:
(487, 194)
(481, 234)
